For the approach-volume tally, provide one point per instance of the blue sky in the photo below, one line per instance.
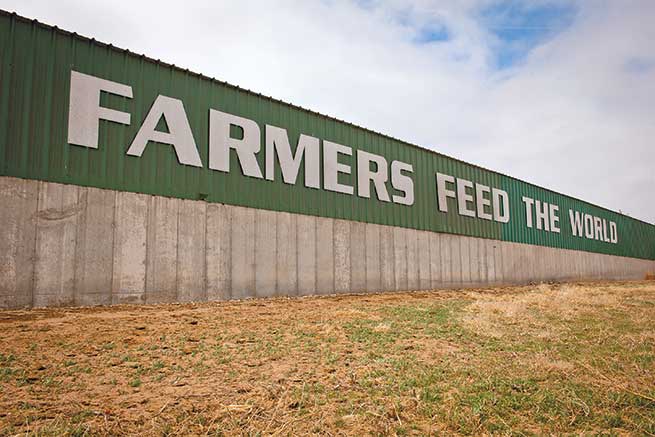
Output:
(520, 26)
(514, 27)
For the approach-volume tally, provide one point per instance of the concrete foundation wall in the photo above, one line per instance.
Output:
(70, 245)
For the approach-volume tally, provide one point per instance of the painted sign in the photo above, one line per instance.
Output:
(230, 132)
(73, 110)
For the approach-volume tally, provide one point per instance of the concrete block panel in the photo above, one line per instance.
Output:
(357, 256)
(161, 249)
(191, 269)
(589, 266)
(598, 261)
(577, 267)
(553, 267)
(547, 265)
(616, 263)
(508, 273)
(287, 254)
(561, 256)
(435, 259)
(593, 267)
(18, 198)
(483, 265)
(562, 264)
(579, 263)
(373, 272)
(520, 262)
(400, 258)
(549, 268)
(540, 262)
(306, 255)
(342, 256)
(569, 266)
(446, 259)
(455, 261)
(243, 252)
(324, 255)
(537, 261)
(219, 252)
(608, 266)
(465, 261)
(516, 257)
(620, 268)
(476, 254)
(572, 267)
(528, 264)
(266, 253)
(612, 266)
(129, 266)
(94, 251)
(412, 259)
(424, 266)
(387, 261)
(625, 270)
(56, 228)
(494, 262)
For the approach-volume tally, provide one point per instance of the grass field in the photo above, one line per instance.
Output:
(533, 360)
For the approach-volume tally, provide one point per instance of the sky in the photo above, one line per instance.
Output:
(559, 93)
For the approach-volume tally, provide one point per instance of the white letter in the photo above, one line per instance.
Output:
(463, 198)
(605, 237)
(528, 210)
(365, 175)
(402, 182)
(179, 132)
(277, 140)
(589, 226)
(497, 195)
(554, 218)
(443, 193)
(542, 215)
(85, 112)
(482, 201)
(576, 223)
(220, 143)
(332, 167)
(598, 226)
(614, 237)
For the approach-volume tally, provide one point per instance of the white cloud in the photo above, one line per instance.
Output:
(576, 115)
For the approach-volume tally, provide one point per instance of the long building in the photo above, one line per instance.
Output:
(124, 179)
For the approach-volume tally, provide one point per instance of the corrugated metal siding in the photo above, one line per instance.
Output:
(36, 61)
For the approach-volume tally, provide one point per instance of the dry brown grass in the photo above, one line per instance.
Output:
(492, 314)
(569, 358)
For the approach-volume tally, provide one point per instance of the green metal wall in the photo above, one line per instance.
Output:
(36, 63)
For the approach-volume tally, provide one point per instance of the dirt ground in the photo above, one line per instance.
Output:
(532, 360)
